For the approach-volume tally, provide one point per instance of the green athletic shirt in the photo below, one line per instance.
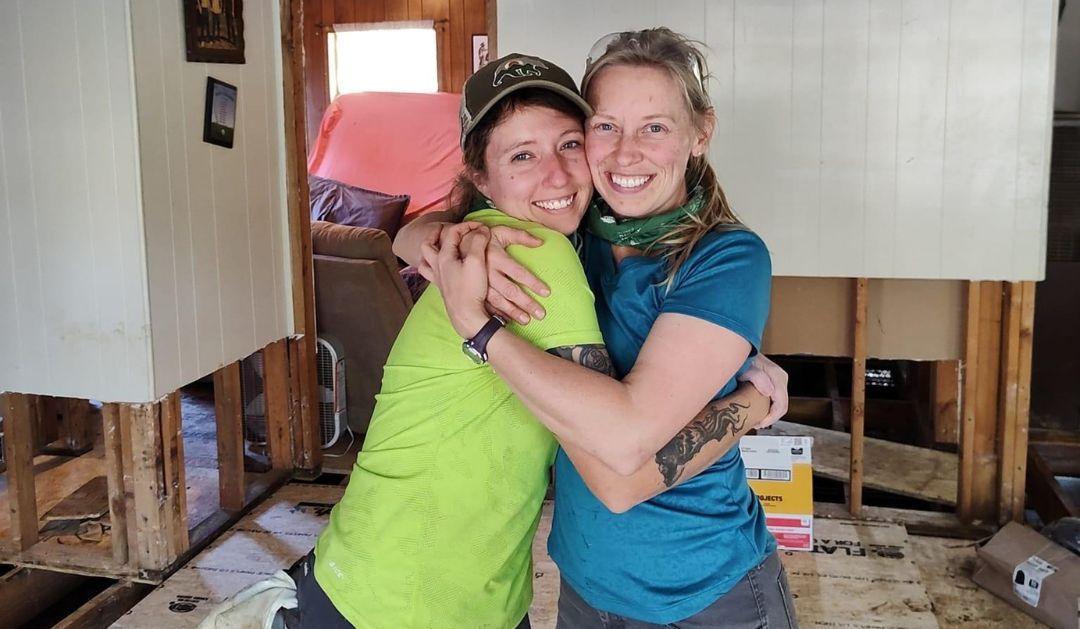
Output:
(435, 528)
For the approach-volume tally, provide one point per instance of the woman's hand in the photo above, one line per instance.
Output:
(506, 277)
(461, 269)
(770, 380)
(428, 265)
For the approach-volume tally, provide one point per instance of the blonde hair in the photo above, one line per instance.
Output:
(683, 60)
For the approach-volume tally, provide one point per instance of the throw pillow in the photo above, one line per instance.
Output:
(337, 202)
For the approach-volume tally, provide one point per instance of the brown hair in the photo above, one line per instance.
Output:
(465, 196)
(683, 60)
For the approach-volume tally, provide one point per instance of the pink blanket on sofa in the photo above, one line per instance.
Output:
(394, 143)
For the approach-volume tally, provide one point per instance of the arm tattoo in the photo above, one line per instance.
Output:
(593, 356)
(714, 422)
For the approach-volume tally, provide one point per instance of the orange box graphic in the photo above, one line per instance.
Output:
(779, 471)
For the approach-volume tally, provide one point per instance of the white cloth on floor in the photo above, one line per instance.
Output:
(256, 606)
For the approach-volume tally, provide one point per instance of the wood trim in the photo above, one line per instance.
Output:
(985, 484)
(967, 427)
(946, 400)
(107, 607)
(1007, 396)
(229, 418)
(114, 474)
(303, 279)
(934, 523)
(276, 389)
(148, 476)
(492, 14)
(295, 412)
(858, 397)
(20, 415)
(172, 434)
(1023, 400)
(127, 462)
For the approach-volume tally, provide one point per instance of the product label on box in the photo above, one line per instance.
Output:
(1028, 578)
(778, 470)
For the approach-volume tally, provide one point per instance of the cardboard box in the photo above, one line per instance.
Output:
(780, 473)
(1033, 574)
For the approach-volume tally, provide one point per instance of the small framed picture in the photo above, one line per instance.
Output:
(481, 54)
(219, 122)
(214, 30)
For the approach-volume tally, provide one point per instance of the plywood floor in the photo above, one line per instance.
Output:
(860, 575)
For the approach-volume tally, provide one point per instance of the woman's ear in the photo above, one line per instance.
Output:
(706, 126)
(480, 182)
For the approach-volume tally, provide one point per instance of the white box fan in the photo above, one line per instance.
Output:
(330, 366)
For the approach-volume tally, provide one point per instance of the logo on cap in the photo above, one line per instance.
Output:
(518, 68)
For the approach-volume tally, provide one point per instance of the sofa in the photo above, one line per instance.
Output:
(361, 301)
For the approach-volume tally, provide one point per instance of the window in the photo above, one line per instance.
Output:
(382, 57)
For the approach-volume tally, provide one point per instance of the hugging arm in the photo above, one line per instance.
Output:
(708, 436)
(418, 244)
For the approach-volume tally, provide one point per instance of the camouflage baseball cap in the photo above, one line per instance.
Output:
(505, 75)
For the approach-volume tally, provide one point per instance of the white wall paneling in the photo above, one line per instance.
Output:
(215, 217)
(75, 321)
(861, 138)
(137, 257)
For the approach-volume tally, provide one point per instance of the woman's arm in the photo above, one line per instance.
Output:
(709, 436)
(418, 244)
(684, 362)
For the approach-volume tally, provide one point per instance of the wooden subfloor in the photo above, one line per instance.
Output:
(862, 574)
(895, 467)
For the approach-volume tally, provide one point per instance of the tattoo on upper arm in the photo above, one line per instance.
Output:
(714, 422)
(593, 356)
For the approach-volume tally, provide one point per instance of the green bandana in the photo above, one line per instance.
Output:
(640, 233)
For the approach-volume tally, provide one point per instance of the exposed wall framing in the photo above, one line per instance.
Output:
(146, 533)
(991, 389)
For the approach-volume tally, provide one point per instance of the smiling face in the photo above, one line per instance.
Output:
(536, 168)
(640, 139)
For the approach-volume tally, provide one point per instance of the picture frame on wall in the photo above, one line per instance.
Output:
(214, 30)
(481, 52)
(219, 121)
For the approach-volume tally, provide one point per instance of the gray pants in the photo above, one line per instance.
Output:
(761, 599)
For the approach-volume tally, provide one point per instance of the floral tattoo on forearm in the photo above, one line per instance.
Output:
(593, 356)
(716, 422)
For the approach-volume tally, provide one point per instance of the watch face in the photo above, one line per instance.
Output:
(473, 355)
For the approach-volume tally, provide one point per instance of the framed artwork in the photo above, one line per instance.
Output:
(214, 30)
(481, 54)
(219, 122)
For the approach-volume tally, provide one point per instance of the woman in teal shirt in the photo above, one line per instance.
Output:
(682, 299)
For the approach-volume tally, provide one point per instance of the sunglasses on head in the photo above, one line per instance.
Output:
(600, 48)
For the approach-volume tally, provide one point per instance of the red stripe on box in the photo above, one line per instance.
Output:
(791, 522)
(793, 541)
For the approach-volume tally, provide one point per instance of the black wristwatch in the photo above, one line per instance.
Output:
(476, 347)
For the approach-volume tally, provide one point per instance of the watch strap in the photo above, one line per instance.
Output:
(479, 342)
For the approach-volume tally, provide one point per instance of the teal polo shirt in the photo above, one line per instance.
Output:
(674, 555)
